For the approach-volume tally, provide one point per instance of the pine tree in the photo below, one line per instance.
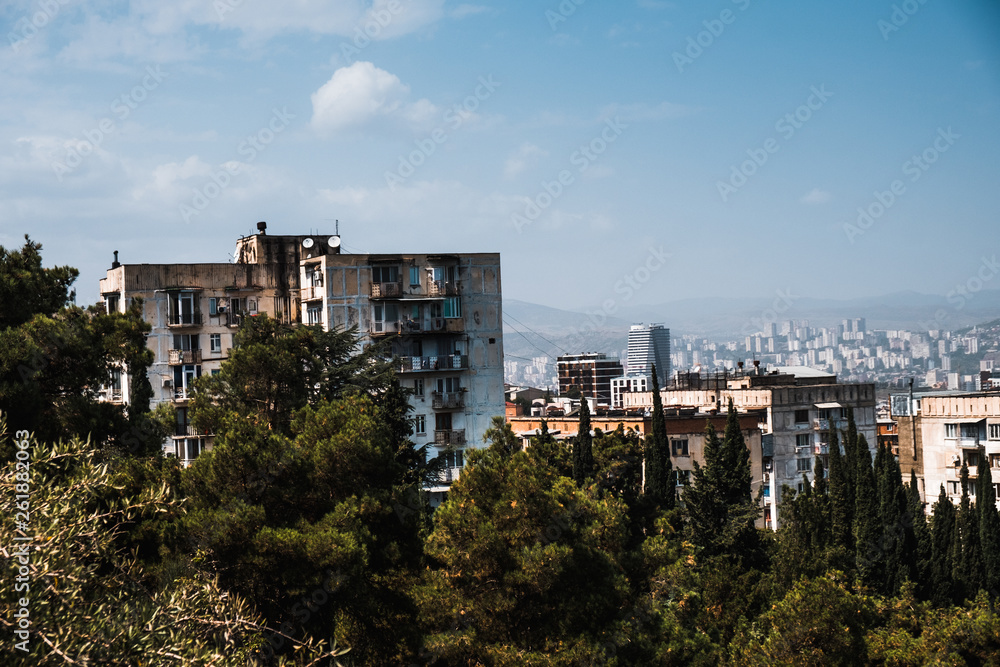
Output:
(942, 566)
(660, 482)
(989, 524)
(583, 452)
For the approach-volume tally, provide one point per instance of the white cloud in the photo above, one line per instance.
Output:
(526, 155)
(361, 94)
(816, 196)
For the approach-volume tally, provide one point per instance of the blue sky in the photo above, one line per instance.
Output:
(584, 142)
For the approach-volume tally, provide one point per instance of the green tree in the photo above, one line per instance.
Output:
(969, 558)
(841, 501)
(501, 437)
(989, 524)
(583, 452)
(660, 480)
(870, 557)
(524, 566)
(943, 531)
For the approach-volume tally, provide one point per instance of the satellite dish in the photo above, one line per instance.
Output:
(308, 243)
(334, 241)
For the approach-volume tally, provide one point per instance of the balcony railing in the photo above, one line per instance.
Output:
(448, 475)
(184, 320)
(429, 325)
(447, 400)
(387, 290)
(454, 438)
(442, 288)
(416, 364)
(179, 357)
(312, 292)
(827, 424)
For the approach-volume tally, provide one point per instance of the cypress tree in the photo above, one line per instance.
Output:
(898, 543)
(735, 460)
(969, 561)
(867, 524)
(841, 507)
(943, 550)
(660, 480)
(989, 524)
(583, 448)
(920, 554)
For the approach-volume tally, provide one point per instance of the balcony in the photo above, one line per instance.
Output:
(452, 438)
(448, 475)
(447, 400)
(387, 290)
(417, 364)
(312, 292)
(431, 325)
(442, 288)
(180, 357)
(827, 424)
(184, 320)
(821, 449)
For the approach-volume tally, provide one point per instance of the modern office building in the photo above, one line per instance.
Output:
(649, 346)
(441, 311)
(591, 373)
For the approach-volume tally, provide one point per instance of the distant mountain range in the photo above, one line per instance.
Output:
(531, 329)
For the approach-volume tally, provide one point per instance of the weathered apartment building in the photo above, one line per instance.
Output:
(939, 431)
(443, 312)
(797, 408)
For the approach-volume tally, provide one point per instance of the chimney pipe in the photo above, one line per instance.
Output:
(115, 264)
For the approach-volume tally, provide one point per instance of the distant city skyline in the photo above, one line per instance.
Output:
(614, 155)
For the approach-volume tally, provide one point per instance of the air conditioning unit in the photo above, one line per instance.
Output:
(167, 383)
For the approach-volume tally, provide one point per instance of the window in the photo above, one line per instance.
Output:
(970, 431)
(995, 460)
(442, 421)
(115, 384)
(184, 377)
(186, 342)
(994, 431)
(454, 459)
(441, 274)
(452, 307)
(802, 416)
(182, 421)
(953, 488)
(183, 308)
(951, 430)
(384, 315)
(448, 385)
(803, 465)
(680, 447)
(314, 275)
(683, 476)
(418, 387)
(193, 447)
(803, 440)
(414, 276)
(213, 305)
(215, 342)
(314, 315)
(767, 490)
(419, 424)
(971, 459)
(385, 274)
(112, 302)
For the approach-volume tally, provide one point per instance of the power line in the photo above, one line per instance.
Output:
(558, 347)
(547, 354)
